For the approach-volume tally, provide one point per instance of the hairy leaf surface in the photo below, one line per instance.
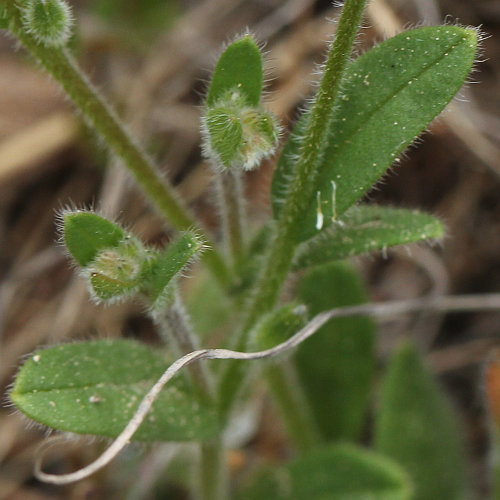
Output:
(86, 233)
(389, 96)
(364, 229)
(95, 388)
(238, 68)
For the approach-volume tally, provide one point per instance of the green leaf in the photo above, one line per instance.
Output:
(167, 267)
(389, 95)
(86, 233)
(278, 326)
(95, 387)
(336, 365)
(417, 427)
(341, 472)
(364, 229)
(239, 68)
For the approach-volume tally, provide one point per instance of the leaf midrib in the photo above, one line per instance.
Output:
(370, 115)
(98, 385)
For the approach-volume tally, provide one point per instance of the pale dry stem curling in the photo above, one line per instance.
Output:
(383, 310)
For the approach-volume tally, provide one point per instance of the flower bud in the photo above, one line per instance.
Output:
(238, 135)
(116, 272)
(48, 21)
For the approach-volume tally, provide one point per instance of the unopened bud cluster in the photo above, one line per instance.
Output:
(237, 131)
(116, 272)
(48, 21)
(117, 265)
(239, 135)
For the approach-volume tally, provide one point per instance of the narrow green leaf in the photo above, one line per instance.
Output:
(417, 427)
(364, 229)
(167, 267)
(95, 387)
(239, 69)
(342, 472)
(336, 364)
(86, 233)
(389, 95)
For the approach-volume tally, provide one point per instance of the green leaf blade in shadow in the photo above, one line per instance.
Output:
(417, 427)
(340, 472)
(336, 365)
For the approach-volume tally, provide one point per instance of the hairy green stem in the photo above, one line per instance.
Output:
(212, 478)
(301, 190)
(63, 68)
(285, 387)
(232, 213)
(175, 328)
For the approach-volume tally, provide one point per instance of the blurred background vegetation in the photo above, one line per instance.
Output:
(152, 58)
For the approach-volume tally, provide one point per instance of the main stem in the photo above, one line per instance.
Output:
(213, 480)
(301, 190)
(295, 411)
(63, 68)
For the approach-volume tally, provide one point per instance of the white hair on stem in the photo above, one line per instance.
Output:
(382, 310)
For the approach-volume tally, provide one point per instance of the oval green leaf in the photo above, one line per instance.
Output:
(238, 68)
(389, 96)
(336, 365)
(95, 388)
(341, 472)
(86, 233)
(367, 228)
